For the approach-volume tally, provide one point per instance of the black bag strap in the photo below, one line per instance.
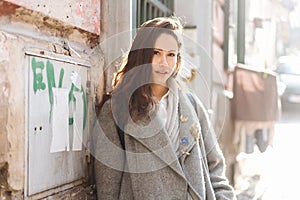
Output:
(121, 137)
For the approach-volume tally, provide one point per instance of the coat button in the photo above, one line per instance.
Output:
(184, 141)
(183, 119)
(186, 153)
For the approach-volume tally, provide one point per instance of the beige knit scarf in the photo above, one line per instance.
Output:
(169, 106)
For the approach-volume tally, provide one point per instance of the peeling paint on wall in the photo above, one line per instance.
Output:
(80, 7)
(4, 93)
(7, 8)
(84, 14)
(3, 50)
(36, 24)
(15, 122)
(44, 26)
(4, 87)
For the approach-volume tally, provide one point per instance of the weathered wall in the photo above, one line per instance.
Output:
(115, 39)
(21, 29)
(14, 96)
(84, 14)
(3, 100)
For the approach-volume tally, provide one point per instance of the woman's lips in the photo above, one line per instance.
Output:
(162, 73)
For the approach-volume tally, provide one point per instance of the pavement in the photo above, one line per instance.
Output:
(275, 173)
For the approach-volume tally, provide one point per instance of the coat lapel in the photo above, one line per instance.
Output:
(154, 137)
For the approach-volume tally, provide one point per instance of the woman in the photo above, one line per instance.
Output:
(156, 141)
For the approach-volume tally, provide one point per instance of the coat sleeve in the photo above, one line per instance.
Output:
(109, 156)
(214, 156)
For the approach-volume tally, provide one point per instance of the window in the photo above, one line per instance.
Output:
(148, 9)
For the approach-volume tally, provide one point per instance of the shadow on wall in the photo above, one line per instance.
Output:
(5, 191)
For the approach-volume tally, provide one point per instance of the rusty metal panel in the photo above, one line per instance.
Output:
(84, 14)
(57, 120)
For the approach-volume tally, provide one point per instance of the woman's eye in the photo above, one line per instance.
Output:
(156, 52)
(172, 54)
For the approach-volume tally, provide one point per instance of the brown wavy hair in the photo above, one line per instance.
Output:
(132, 94)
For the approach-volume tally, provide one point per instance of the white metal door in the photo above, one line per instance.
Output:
(57, 120)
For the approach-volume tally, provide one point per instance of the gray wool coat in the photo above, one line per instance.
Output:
(149, 168)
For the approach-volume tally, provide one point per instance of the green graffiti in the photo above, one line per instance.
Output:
(72, 98)
(37, 69)
(84, 107)
(38, 84)
(51, 81)
(61, 77)
(71, 93)
(71, 120)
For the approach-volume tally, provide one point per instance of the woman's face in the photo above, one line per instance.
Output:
(164, 59)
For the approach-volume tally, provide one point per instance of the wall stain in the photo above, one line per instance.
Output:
(7, 8)
(81, 14)
(48, 25)
(6, 192)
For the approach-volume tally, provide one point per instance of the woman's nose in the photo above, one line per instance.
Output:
(163, 60)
